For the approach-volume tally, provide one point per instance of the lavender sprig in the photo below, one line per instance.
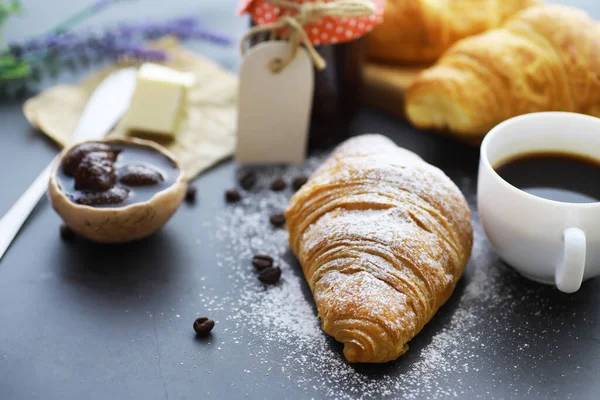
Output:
(63, 47)
(126, 39)
(87, 12)
(9, 8)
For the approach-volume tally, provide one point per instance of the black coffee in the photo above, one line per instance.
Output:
(565, 177)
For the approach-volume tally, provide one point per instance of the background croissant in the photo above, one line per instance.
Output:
(547, 58)
(419, 31)
(383, 238)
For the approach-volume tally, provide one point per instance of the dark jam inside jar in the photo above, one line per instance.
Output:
(338, 90)
(100, 174)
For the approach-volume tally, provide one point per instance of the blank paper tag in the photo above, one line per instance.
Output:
(274, 113)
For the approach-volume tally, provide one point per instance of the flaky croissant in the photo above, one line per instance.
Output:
(546, 58)
(419, 31)
(383, 238)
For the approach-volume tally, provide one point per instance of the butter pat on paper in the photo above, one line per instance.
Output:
(159, 102)
(274, 108)
(206, 136)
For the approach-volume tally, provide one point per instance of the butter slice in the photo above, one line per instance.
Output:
(159, 101)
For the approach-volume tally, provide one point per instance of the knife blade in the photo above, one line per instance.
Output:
(104, 109)
(106, 106)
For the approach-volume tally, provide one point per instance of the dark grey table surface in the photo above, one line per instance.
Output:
(86, 321)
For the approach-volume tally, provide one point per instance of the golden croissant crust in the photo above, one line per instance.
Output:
(419, 31)
(546, 58)
(383, 238)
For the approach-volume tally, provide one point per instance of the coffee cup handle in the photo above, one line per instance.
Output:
(569, 274)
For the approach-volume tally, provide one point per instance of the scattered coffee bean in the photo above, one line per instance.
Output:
(270, 275)
(299, 182)
(262, 261)
(203, 326)
(233, 196)
(278, 185)
(66, 233)
(190, 194)
(248, 180)
(277, 220)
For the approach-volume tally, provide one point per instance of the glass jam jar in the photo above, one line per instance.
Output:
(338, 91)
(337, 88)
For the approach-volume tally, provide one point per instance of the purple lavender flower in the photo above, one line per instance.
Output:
(183, 28)
(65, 48)
(62, 47)
(124, 40)
(139, 52)
(209, 37)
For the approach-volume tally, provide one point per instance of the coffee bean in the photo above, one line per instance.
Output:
(299, 182)
(277, 220)
(270, 275)
(262, 261)
(233, 196)
(278, 185)
(248, 180)
(190, 194)
(203, 326)
(66, 233)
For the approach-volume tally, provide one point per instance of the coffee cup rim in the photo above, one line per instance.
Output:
(520, 119)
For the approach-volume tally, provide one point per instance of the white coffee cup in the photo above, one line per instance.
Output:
(547, 241)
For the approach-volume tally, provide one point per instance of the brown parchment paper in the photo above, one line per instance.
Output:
(206, 136)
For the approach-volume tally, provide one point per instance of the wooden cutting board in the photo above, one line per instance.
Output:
(385, 86)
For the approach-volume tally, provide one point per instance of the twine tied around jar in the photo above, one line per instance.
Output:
(306, 14)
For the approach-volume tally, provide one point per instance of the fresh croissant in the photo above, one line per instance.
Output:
(419, 31)
(547, 58)
(383, 238)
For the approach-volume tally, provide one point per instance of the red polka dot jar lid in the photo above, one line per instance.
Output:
(326, 30)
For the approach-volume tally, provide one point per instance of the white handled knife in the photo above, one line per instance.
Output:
(108, 104)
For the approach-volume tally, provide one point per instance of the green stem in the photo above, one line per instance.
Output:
(6, 10)
(7, 61)
(13, 69)
(74, 20)
(20, 71)
(23, 67)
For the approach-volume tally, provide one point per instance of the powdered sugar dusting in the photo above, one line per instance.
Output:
(282, 318)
